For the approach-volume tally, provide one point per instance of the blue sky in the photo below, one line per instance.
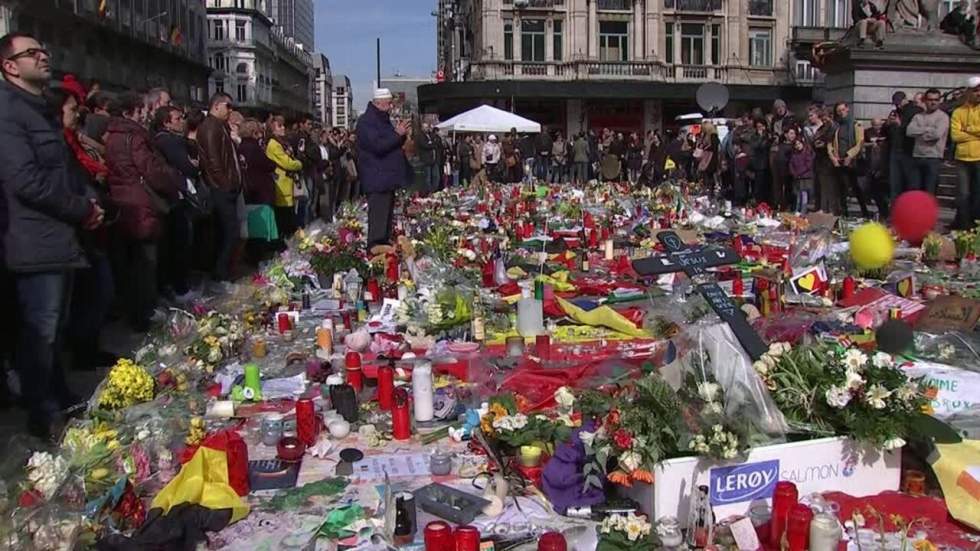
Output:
(346, 31)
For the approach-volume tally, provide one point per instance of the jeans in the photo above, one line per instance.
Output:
(381, 208)
(846, 178)
(924, 174)
(968, 194)
(91, 301)
(229, 231)
(430, 175)
(44, 299)
(541, 165)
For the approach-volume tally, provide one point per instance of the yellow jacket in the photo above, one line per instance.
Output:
(964, 127)
(284, 165)
(833, 148)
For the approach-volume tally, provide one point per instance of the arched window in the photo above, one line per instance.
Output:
(242, 68)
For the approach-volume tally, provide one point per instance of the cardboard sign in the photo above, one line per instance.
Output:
(949, 313)
(957, 390)
(809, 281)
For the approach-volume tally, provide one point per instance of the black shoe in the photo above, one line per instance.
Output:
(880, 45)
(861, 42)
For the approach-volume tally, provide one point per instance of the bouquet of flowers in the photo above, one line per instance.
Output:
(127, 384)
(714, 433)
(624, 532)
(828, 390)
(639, 430)
(219, 337)
(506, 423)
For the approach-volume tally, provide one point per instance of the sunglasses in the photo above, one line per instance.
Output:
(36, 53)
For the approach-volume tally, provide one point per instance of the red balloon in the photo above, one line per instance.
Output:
(914, 215)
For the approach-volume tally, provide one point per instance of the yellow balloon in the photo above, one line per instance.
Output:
(872, 246)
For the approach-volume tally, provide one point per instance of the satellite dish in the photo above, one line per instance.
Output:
(712, 97)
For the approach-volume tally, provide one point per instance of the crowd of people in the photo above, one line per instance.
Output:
(110, 197)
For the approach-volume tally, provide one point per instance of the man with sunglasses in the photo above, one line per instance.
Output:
(46, 203)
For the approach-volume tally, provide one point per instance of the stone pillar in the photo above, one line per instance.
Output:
(516, 39)
(654, 48)
(639, 52)
(573, 117)
(549, 40)
(593, 30)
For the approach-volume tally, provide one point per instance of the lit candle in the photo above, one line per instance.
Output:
(609, 249)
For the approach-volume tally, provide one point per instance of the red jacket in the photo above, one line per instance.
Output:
(134, 164)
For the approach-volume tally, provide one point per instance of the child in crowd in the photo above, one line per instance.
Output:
(801, 168)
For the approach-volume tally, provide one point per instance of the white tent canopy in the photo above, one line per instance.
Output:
(488, 119)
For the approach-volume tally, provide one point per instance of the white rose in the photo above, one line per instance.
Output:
(564, 398)
(881, 359)
(760, 367)
(630, 461)
(587, 438)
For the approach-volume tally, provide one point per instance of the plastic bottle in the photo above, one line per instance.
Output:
(530, 315)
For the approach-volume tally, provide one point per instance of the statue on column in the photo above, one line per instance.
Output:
(904, 14)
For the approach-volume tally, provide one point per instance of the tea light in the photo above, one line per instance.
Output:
(515, 346)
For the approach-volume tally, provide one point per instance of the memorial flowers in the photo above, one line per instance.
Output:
(126, 385)
(619, 531)
(824, 389)
(219, 337)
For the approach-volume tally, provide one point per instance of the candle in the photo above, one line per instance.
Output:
(847, 288)
(825, 532)
(222, 409)
(401, 426)
(798, 527)
(422, 391)
(284, 323)
(552, 541)
(386, 386)
(324, 340)
(515, 346)
(352, 365)
(784, 498)
(438, 536)
(306, 425)
(609, 249)
(467, 538)
(252, 379)
(258, 348)
(542, 346)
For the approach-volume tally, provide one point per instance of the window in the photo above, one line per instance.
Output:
(715, 45)
(840, 13)
(946, 6)
(219, 86)
(805, 13)
(219, 62)
(242, 68)
(669, 33)
(613, 41)
(219, 30)
(760, 47)
(532, 40)
(557, 40)
(240, 31)
(242, 92)
(692, 43)
(508, 40)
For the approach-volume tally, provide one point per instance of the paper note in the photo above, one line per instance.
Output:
(745, 536)
(374, 467)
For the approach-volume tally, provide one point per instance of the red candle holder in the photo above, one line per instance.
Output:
(784, 497)
(542, 346)
(283, 322)
(374, 289)
(438, 536)
(306, 424)
(467, 538)
(401, 425)
(386, 387)
(798, 527)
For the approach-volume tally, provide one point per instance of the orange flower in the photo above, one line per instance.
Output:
(621, 478)
(931, 392)
(523, 404)
(642, 475)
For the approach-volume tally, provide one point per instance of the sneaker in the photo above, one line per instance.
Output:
(880, 45)
(861, 42)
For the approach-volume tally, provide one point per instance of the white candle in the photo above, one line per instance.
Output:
(609, 249)
(222, 409)
(825, 532)
(422, 391)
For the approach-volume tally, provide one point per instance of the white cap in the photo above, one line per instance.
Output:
(973, 82)
(382, 93)
(492, 138)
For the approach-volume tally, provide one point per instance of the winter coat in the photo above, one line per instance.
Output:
(426, 145)
(381, 162)
(135, 164)
(801, 162)
(176, 150)
(965, 131)
(285, 164)
(45, 196)
(259, 173)
(219, 161)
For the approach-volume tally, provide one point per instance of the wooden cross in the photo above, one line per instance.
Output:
(695, 261)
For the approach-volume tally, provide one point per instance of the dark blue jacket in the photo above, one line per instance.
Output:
(381, 164)
(45, 194)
